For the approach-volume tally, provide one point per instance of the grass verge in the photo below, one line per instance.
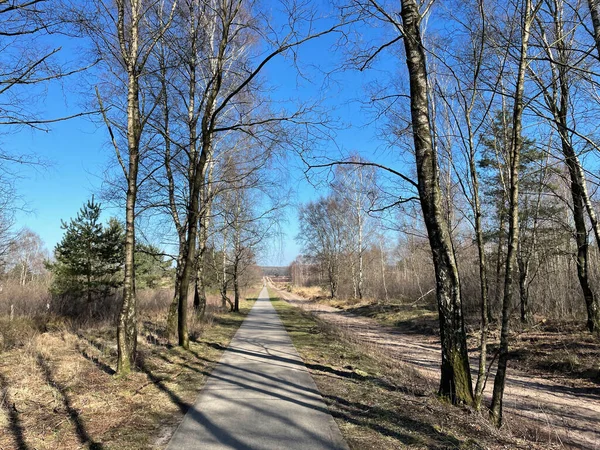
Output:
(58, 391)
(380, 404)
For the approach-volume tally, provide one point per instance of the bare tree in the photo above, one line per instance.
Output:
(455, 381)
(125, 34)
(324, 235)
(557, 45)
(27, 256)
(354, 184)
(525, 16)
(222, 64)
(30, 62)
(468, 110)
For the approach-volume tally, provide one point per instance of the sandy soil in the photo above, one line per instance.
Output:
(565, 414)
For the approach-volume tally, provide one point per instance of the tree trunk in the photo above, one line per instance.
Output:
(579, 195)
(483, 278)
(205, 216)
(513, 219)
(23, 277)
(189, 251)
(89, 287)
(199, 286)
(360, 251)
(455, 381)
(499, 256)
(354, 280)
(581, 234)
(236, 288)
(332, 279)
(581, 237)
(127, 324)
(188, 260)
(172, 319)
(224, 299)
(523, 290)
(199, 299)
(593, 5)
(172, 315)
(383, 267)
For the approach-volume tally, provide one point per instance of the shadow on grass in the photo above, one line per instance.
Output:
(387, 422)
(14, 421)
(73, 414)
(426, 323)
(397, 424)
(564, 358)
(99, 345)
(227, 319)
(160, 384)
(155, 334)
(96, 361)
(351, 374)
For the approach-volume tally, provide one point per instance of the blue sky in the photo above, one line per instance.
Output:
(78, 154)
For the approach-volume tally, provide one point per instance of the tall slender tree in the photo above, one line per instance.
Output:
(455, 380)
(524, 15)
(124, 35)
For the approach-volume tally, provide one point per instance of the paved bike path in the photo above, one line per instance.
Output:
(259, 396)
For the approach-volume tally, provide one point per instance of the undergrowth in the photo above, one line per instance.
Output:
(58, 390)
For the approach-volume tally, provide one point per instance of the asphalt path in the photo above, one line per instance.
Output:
(259, 396)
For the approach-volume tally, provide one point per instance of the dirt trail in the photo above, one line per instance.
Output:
(569, 415)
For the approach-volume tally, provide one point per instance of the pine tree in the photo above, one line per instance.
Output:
(150, 266)
(89, 258)
(539, 234)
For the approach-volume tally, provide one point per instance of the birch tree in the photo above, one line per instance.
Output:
(324, 235)
(124, 35)
(557, 42)
(524, 14)
(355, 185)
(222, 70)
(455, 380)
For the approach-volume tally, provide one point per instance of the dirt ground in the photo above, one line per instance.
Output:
(564, 408)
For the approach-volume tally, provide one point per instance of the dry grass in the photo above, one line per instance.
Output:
(58, 389)
(29, 300)
(562, 350)
(309, 292)
(415, 316)
(29, 322)
(379, 403)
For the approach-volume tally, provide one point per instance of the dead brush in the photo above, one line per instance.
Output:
(29, 300)
(198, 325)
(16, 333)
(308, 292)
(154, 300)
